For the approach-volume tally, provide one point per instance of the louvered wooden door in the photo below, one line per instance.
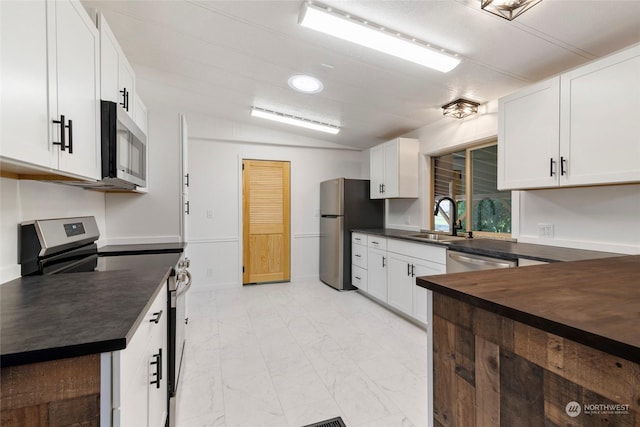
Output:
(266, 221)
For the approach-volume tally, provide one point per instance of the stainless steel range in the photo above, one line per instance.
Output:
(68, 245)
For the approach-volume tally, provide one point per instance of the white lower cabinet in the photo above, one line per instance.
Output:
(139, 372)
(406, 262)
(400, 283)
(359, 278)
(422, 310)
(377, 274)
(359, 261)
(390, 269)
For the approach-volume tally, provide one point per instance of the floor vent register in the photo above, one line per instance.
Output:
(333, 422)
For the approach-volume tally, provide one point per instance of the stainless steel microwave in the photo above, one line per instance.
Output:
(124, 148)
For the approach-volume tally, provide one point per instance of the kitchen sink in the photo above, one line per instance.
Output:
(436, 237)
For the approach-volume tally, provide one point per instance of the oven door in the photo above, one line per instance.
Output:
(179, 283)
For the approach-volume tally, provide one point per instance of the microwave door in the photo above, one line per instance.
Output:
(123, 151)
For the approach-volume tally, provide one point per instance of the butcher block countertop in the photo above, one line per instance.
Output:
(592, 302)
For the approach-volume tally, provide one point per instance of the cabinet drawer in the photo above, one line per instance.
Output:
(377, 242)
(422, 251)
(359, 277)
(359, 256)
(148, 327)
(359, 238)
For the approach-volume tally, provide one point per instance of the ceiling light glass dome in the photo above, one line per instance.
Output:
(305, 84)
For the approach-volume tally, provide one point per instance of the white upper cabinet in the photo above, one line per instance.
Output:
(118, 79)
(394, 169)
(140, 114)
(529, 137)
(600, 121)
(78, 91)
(50, 70)
(580, 128)
(24, 127)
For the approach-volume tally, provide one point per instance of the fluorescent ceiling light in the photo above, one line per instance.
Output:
(305, 84)
(293, 120)
(356, 30)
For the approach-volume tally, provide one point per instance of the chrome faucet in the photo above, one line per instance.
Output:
(454, 223)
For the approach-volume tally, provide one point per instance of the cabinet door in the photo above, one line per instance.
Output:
(127, 84)
(140, 114)
(376, 171)
(421, 296)
(109, 66)
(24, 122)
(391, 171)
(399, 284)
(406, 171)
(528, 137)
(377, 274)
(157, 409)
(600, 129)
(78, 91)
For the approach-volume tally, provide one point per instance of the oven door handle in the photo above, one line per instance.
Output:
(180, 288)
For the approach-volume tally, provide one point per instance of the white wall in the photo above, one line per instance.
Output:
(602, 218)
(596, 218)
(154, 216)
(27, 200)
(215, 162)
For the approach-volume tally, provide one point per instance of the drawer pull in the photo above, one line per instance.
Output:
(358, 255)
(158, 373)
(156, 318)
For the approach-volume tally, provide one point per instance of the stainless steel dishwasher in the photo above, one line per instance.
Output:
(459, 262)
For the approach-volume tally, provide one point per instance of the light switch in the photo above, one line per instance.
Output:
(209, 213)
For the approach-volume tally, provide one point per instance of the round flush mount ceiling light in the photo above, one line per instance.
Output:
(305, 84)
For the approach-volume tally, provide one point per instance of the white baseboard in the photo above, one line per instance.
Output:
(9, 273)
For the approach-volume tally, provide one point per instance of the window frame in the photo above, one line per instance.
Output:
(468, 189)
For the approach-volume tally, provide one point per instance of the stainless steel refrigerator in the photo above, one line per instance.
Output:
(344, 205)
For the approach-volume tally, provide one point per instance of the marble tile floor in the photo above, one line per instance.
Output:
(291, 354)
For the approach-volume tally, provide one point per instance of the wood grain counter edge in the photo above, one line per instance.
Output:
(606, 344)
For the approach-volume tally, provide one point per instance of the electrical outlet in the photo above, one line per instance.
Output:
(209, 213)
(407, 219)
(545, 229)
(209, 272)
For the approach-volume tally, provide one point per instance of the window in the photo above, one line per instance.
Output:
(470, 177)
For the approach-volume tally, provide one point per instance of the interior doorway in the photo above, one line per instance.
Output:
(266, 229)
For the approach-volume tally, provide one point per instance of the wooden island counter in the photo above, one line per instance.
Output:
(548, 345)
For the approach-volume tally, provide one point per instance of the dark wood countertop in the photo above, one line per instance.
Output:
(74, 314)
(593, 302)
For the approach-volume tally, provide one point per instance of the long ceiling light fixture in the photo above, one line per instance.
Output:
(360, 31)
(294, 120)
(508, 9)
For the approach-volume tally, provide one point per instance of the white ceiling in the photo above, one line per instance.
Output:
(221, 57)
